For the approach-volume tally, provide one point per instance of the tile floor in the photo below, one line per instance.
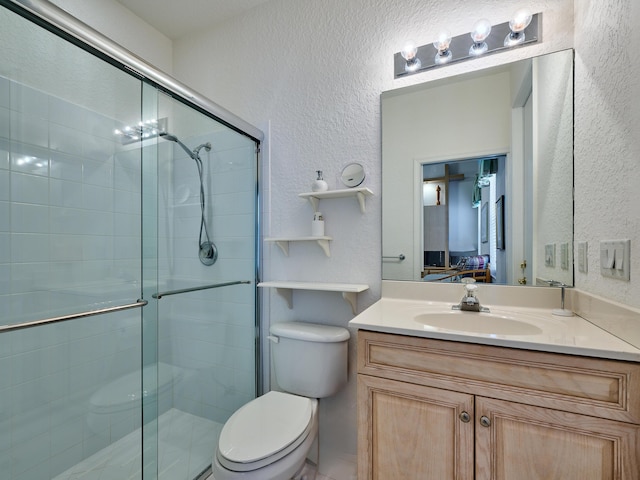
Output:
(318, 477)
(343, 468)
(185, 444)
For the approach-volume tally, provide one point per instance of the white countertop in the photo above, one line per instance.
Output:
(549, 333)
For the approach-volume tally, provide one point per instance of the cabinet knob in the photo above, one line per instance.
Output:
(484, 421)
(465, 417)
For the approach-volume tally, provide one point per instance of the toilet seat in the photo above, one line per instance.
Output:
(265, 430)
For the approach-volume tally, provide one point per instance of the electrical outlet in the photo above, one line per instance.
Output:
(615, 259)
(550, 255)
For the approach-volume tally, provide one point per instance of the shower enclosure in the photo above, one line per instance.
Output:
(128, 263)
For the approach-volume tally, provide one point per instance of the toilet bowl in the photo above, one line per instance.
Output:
(268, 438)
(118, 403)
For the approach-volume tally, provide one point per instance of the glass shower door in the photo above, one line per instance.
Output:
(70, 241)
(142, 345)
(206, 197)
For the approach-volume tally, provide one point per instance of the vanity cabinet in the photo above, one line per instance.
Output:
(432, 409)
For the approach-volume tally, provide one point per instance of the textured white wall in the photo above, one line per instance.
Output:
(607, 144)
(311, 74)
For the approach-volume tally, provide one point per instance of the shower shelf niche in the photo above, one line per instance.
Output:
(360, 194)
(283, 243)
(349, 290)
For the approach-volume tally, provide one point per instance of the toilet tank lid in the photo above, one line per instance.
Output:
(310, 332)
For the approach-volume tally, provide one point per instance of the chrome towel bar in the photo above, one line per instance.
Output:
(72, 316)
(159, 295)
(400, 257)
(91, 313)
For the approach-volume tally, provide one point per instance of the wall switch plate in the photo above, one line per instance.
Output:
(615, 259)
(550, 255)
(564, 256)
(582, 257)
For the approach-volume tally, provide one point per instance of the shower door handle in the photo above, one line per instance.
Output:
(159, 295)
(72, 316)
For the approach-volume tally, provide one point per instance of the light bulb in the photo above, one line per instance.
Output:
(442, 45)
(480, 32)
(520, 20)
(443, 41)
(409, 52)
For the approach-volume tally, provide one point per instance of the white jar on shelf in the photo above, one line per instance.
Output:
(317, 225)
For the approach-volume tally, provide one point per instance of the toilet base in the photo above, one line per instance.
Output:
(308, 472)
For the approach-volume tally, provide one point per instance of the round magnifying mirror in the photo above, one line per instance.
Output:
(352, 175)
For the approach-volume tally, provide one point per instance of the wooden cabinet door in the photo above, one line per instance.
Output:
(413, 432)
(522, 442)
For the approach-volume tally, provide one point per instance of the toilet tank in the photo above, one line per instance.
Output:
(309, 359)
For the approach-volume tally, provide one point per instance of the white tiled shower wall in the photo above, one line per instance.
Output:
(69, 241)
(210, 334)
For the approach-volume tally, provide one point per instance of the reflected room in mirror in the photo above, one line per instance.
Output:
(459, 227)
(477, 175)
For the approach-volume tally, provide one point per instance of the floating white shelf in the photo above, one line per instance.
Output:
(349, 290)
(283, 243)
(360, 193)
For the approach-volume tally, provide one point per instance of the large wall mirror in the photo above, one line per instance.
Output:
(477, 176)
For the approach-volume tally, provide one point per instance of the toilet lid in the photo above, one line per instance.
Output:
(264, 427)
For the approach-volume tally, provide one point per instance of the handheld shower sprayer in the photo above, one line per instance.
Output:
(206, 146)
(208, 252)
(173, 138)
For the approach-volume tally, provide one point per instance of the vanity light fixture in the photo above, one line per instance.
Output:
(484, 39)
(480, 32)
(520, 21)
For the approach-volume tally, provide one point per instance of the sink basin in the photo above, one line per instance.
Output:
(483, 323)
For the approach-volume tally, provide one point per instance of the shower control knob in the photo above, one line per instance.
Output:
(208, 253)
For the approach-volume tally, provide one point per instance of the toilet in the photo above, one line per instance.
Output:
(269, 438)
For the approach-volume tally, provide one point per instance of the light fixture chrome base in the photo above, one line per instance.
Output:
(208, 253)
(462, 45)
(142, 131)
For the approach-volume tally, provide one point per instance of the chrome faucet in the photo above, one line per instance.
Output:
(470, 302)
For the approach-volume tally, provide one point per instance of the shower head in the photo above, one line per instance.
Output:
(173, 138)
(168, 136)
(206, 146)
(193, 154)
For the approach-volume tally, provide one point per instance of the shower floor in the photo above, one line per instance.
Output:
(185, 446)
